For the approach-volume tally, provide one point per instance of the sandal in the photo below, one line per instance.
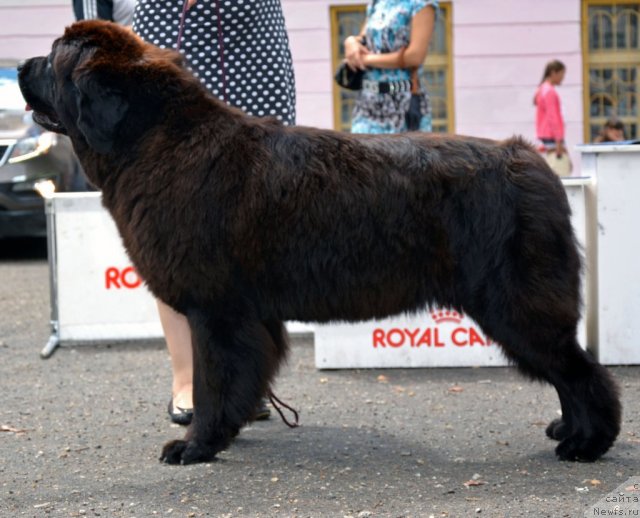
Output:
(184, 416)
(180, 415)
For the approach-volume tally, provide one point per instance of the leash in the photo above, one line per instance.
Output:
(273, 398)
(223, 70)
(181, 26)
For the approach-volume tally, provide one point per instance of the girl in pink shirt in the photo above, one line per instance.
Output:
(549, 121)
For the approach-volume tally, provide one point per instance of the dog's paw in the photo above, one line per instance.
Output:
(172, 452)
(557, 430)
(577, 447)
(186, 452)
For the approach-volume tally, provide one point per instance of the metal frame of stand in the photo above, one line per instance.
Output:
(52, 253)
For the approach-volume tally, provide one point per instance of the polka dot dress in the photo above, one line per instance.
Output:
(258, 72)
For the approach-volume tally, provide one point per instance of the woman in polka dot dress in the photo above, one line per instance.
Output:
(252, 70)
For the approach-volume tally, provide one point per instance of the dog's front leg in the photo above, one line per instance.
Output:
(233, 361)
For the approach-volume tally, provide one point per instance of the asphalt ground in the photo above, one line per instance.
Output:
(81, 432)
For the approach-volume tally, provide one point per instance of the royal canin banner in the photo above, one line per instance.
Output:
(96, 292)
(431, 338)
(435, 338)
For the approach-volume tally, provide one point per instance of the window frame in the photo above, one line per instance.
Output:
(589, 59)
(336, 46)
(447, 60)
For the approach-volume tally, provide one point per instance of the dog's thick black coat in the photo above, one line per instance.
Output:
(242, 223)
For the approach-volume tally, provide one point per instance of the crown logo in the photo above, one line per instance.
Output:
(446, 315)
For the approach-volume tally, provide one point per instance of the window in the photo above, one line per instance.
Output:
(345, 21)
(437, 73)
(611, 56)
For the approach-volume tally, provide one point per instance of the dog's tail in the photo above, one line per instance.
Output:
(522, 155)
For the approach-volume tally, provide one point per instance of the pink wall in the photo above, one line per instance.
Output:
(500, 48)
(27, 28)
(308, 24)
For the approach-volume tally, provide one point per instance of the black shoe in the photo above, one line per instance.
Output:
(263, 412)
(180, 415)
(185, 415)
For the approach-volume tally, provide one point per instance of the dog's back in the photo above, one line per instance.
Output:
(357, 216)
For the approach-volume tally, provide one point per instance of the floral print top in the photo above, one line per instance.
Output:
(388, 30)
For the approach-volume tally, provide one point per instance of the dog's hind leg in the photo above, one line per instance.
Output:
(524, 291)
(594, 402)
(591, 410)
(234, 362)
(589, 397)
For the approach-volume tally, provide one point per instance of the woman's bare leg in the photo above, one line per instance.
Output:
(178, 336)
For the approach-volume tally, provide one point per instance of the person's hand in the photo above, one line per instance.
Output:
(191, 3)
(354, 53)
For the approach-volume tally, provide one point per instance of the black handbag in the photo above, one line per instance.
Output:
(347, 78)
(413, 116)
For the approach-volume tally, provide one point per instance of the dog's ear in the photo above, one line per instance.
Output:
(101, 109)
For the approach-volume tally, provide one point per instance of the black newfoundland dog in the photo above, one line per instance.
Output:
(241, 223)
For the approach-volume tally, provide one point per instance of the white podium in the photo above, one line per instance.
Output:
(96, 294)
(441, 338)
(616, 169)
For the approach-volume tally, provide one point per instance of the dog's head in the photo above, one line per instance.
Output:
(100, 84)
